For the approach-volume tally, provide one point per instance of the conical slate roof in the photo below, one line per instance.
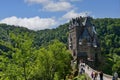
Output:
(87, 22)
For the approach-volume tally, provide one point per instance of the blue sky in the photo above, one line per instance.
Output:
(42, 14)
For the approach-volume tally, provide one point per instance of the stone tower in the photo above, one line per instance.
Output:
(83, 42)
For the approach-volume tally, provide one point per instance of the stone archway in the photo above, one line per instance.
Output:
(82, 57)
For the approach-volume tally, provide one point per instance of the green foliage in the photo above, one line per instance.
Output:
(28, 63)
(43, 37)
(19, 65)
(53, 61)
(111, 64)
(109, 33)
(82, 77)
(116, 65)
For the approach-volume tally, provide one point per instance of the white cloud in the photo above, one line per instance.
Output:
(34, 23)
(71, 0)
(58, 6)
(52, 5)
(37, 1)
(72, 14)
(75, 0)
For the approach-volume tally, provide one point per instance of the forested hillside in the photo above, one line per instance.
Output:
(109, 34)
(21, 49)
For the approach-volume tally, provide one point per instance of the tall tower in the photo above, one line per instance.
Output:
(83, 42)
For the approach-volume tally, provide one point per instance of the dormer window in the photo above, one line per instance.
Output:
(94, 43)
(80, 41)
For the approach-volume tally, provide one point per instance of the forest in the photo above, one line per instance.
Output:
(43, 55)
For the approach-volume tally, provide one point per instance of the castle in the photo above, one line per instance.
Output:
(83, 41)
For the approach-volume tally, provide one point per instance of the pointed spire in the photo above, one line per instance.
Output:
(87, 22)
